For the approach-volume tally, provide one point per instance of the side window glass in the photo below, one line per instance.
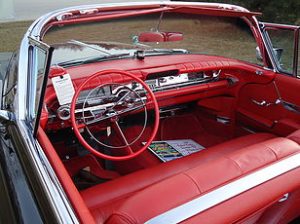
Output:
(39, 61)
(10, 83)
(39, 72)
(283, 48)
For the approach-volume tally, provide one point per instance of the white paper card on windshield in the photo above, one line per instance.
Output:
(64, 88)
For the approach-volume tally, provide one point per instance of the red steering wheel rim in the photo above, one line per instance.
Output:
(82, 140)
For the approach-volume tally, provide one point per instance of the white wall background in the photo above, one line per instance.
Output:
(14, 10)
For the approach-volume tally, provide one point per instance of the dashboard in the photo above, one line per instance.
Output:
(187, 78)
(173, 80)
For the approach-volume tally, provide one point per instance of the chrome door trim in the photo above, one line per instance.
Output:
(59, 202)
(226, 192)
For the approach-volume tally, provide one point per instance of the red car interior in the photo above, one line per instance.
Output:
(239, 135)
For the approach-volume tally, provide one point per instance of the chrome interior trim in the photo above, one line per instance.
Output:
(228, 191)
(53, 190)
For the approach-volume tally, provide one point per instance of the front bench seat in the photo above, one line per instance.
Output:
(104, 198)
(185, 186)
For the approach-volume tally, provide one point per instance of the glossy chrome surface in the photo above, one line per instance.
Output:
(227, 191)
(6, 115)
(62, 14)
(58, 194)
(51, 186)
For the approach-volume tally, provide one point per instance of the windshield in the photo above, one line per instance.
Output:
(211, 35)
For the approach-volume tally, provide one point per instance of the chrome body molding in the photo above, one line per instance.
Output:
(228, 191)
(53, 190)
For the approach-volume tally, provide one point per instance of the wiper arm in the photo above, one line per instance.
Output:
(70, 63)
(140, 54)
(158, 50)
(89, 46)
(111, 56)
(91, 60)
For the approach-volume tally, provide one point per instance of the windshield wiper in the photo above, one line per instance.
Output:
(140, 54)
(111, 56)
(92, 59)
(80, 43)
(166, 51)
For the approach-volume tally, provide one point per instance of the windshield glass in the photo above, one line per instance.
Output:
(223, 36)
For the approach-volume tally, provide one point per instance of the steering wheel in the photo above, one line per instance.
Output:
(119, 98)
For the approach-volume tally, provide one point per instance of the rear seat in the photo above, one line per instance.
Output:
(145, 194)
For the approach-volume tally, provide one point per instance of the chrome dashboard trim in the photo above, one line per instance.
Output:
(226, 192)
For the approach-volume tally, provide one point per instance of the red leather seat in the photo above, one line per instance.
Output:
(125, 199)
(287, 210)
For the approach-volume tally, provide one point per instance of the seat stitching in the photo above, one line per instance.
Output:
(272, 150)
(194, 181)
(125, 217)
(235, 163)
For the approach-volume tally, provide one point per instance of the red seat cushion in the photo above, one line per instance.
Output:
(103, 199)
(187, 185)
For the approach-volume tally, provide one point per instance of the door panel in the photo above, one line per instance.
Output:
(261, 107)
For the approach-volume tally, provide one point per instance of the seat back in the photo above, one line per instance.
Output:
(199, 187)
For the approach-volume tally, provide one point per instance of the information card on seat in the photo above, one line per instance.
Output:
(174, 149)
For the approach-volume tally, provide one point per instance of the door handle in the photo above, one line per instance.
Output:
(264, 103)
(287, 105)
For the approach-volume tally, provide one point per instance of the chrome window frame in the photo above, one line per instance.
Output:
(31, 82)
(268, 44)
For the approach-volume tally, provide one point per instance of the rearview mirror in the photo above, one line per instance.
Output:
(160, 36)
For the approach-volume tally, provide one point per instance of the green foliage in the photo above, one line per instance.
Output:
(277, 11)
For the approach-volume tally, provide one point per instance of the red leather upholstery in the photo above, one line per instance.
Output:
(285, 211)
(282, 212)
(170, 193)
(103, 201)
(295, 136)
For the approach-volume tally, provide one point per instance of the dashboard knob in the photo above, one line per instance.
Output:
(63, 112)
